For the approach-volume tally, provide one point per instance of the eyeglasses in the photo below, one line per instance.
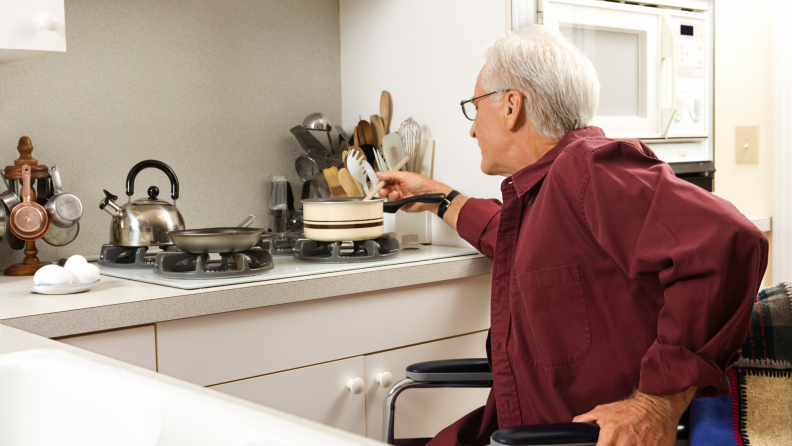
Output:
(469, 107)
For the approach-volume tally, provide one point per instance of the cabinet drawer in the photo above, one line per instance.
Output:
(422, 412)
(22, 34)
(132, 345)
(318, 393)
(225, 347)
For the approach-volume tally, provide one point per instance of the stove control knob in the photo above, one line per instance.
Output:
(355, 385)
(385, 379)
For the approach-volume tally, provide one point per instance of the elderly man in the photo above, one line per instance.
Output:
(618, 291)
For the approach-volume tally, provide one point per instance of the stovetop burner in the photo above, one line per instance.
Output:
(113, 256)
(183, 265)
(279, 244)
(381, 248)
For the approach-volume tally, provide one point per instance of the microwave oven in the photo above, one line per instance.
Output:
(655, 63)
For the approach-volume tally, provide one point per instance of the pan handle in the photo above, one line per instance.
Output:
(394, 206)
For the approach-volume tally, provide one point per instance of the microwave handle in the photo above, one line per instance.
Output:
(668, 56)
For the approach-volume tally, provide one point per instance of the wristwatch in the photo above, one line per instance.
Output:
(446, 203)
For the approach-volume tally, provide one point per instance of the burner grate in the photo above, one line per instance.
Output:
(183, 265)
(378, 249)
(113, 256)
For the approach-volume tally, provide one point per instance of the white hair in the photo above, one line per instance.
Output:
(558, 80)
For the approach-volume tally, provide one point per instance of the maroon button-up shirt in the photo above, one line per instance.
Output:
(610, 274)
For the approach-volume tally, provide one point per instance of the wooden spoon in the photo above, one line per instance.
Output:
(366, 133)
(349, 184)
(386, 110)
(381, 184)
(379, 130)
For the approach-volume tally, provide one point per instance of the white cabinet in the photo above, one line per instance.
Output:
(318, 393)
(31, 27)
(422, 413)
(133, 345)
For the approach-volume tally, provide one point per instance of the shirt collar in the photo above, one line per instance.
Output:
(527, 177)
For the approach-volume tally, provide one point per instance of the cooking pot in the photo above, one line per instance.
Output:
(145, 221)
(340, 219)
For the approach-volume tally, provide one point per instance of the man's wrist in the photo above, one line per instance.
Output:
(675, 404)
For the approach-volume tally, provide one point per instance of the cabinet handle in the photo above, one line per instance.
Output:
(355, 385)
(49, 21)
(385, 379)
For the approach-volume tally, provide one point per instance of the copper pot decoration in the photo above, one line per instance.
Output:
(28, 219)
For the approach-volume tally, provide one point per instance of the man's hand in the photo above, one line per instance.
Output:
(406, 184)
(642, 420)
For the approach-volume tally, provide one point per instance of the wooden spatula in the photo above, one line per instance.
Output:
(379, 130)
(349, 184)
(331, 175)
(386, 110)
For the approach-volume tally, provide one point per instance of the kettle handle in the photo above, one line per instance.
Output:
(130, 182)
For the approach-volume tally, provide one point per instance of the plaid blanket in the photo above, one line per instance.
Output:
(758, 411)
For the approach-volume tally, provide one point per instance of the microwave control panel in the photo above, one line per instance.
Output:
(692, 94)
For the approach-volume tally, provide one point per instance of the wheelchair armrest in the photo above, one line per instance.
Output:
(469, 370)
(579, 434)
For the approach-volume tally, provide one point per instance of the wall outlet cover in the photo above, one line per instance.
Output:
(747, 144)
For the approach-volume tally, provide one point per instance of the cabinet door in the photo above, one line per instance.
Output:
(132, 345)
(422, 412)
(22, 28)
(318, 393)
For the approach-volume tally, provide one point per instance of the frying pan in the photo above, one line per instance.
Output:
(218, 240)
(351, 219)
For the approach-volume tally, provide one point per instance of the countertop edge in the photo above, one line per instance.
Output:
(205, 302)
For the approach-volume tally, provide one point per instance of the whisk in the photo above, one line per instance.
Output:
(410, 133)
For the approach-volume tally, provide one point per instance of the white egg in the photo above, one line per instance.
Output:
(74, 262)
(52, 275)
(85, 273)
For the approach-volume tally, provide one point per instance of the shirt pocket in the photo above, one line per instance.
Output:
(550, 316)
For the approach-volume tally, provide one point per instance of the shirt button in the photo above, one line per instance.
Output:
(499, 347)
(529, 202)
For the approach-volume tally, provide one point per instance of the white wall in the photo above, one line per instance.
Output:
(744, 96)
(427, 54)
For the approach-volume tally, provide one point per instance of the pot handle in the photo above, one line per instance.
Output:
(130, 182)
(394, 206)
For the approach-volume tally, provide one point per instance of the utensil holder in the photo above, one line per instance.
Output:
(418, 223)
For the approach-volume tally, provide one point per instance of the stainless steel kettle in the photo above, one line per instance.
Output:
(145, 221)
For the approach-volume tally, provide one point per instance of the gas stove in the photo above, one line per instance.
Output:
(184, 265)
(375, 250)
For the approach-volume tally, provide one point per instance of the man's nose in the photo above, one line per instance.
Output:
(473, 130)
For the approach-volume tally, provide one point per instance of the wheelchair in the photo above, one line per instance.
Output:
(467, 373)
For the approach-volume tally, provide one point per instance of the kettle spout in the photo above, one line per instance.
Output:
(108, 204)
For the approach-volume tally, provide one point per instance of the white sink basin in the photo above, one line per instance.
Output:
(50, 397)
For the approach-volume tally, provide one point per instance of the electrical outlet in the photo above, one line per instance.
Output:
(747, 144)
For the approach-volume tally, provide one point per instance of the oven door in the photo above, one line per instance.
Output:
(632, 48)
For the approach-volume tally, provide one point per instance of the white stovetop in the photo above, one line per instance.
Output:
(287, 267)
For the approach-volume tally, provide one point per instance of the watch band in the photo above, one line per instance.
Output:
(446, 203)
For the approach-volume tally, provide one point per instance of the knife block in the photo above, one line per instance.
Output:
(40, 173)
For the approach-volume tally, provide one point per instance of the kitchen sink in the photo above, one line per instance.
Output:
(51, 397)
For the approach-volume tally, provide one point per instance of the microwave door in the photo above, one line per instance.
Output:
(625, 43)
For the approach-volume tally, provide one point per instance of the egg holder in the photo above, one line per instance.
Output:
(40, 174)
(70, 288)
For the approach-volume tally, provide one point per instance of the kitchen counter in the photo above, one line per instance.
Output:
(118, 303)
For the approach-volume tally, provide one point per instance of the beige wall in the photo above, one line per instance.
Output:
(743, 96)
(209, 87)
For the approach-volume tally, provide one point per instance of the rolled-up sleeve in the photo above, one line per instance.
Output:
(478, 224)
(707, 257)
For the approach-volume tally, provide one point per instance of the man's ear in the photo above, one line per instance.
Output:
(512, 109)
